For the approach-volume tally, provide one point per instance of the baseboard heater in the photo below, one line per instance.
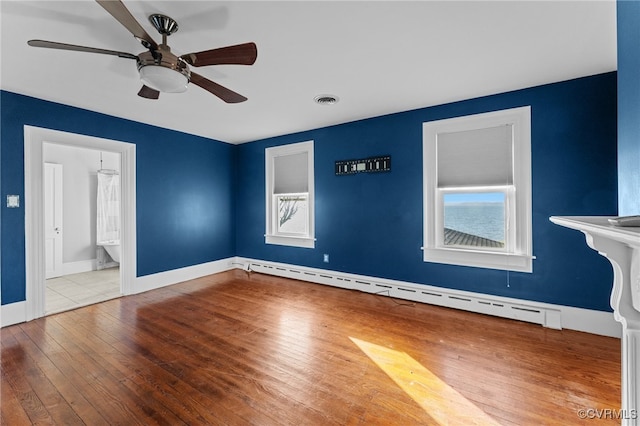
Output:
(417, 293)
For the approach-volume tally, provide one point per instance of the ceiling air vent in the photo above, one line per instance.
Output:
(326, 99)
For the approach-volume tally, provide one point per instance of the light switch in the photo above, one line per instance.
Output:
(13, 201)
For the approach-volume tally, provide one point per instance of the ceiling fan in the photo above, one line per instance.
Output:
(161, 70)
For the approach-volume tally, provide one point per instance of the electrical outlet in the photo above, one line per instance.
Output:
(325, 258)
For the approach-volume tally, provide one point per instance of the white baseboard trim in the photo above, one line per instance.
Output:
(548, 315)
(79, 267)
(590, 321)
(163, 279)
(545, 314)
(13, 313)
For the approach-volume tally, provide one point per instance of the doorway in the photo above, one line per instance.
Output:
(35, 140)
(78, 271)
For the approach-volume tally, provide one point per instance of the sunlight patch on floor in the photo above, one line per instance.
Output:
(443, 403)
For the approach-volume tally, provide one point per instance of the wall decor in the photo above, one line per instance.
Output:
(366, 165)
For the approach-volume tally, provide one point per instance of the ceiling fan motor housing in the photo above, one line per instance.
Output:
(160, 69)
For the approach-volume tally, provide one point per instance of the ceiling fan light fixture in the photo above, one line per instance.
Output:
(163, 79)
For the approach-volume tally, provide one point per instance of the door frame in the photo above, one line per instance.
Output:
(34, 138)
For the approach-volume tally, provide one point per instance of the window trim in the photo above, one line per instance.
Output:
(520, 257)
(272, 236)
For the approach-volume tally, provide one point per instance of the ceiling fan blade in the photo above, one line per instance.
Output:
(148, 92)
(118, 10)
(241, 54)
(227, 95)
(64, 46)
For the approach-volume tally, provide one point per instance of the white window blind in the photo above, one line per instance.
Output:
(291, 173)
(480, 157)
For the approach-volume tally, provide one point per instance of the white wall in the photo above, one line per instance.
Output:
(80, 182)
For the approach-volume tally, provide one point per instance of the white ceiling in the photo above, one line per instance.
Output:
(378, 57)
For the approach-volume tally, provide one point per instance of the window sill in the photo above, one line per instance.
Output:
(305, 242)
(480, 259)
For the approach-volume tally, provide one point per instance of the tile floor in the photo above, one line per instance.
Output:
(73, 291)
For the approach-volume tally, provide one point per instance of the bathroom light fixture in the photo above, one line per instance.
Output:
(326, 99)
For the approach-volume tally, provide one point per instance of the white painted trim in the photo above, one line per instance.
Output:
(128, 244)
(13, 313)
(290, 241)
(34, 138)
(163, 279)
(546, 314)
(34, 225)
(555, 316)
(521, 258)
(271, 236)
(590, 321)
(78, 267)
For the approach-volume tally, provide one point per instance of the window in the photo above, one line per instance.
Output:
(289, 195)
(292, 216)
(477, 190)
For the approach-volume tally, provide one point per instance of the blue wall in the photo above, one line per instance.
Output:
(628, 107)
(371, 224)
(185, 188)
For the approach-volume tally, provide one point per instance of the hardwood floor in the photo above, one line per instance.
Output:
(239, 349)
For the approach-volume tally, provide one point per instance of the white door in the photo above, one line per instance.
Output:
(53, 219)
